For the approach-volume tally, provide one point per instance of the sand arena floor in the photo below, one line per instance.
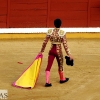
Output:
(84, 83)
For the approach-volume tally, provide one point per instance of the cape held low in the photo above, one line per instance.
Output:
(29, 77)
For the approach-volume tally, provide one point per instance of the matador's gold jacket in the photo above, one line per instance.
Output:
(56, 36)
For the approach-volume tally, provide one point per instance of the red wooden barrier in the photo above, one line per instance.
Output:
(68, 6)
(73, 13)
(3, 13)
(8, 13)
(41, 13)
(68, 1)
(48, 13)
(95, 13)
(28, 13)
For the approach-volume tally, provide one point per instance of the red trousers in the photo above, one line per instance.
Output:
(59, 57)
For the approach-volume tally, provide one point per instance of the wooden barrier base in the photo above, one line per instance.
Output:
(42, 35)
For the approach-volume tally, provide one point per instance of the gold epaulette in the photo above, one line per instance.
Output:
(61, 33)
(49, 32)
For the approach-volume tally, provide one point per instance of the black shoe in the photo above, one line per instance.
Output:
(48, 84)
(64, 80)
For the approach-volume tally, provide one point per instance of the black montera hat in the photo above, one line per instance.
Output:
(68, 61)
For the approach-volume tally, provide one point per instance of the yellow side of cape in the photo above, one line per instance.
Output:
(29, 77)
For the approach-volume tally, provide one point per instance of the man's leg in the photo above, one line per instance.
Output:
(59, 58)
(49, 65)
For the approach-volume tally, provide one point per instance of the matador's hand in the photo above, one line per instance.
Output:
(40, 53)
(71, 58)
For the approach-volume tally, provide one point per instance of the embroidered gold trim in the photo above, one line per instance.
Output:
(56, 42)
(49, 32)
(61, 33)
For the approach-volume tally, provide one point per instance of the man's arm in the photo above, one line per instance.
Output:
(65, 45)
(44, 43)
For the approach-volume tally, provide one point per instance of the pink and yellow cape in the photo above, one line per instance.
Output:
(29, 77)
